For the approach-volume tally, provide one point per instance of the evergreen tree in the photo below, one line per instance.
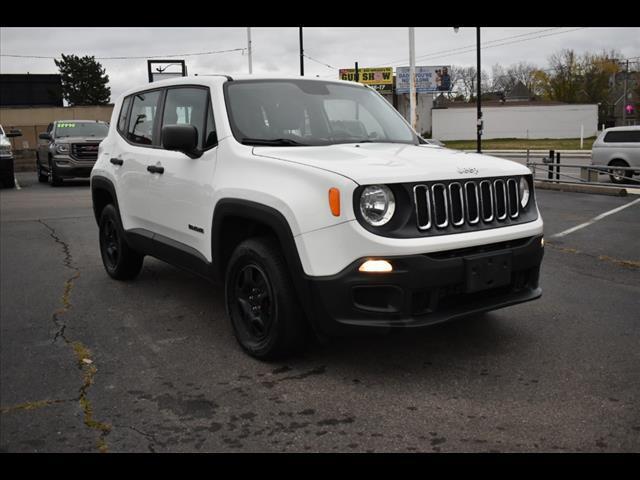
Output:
(84, 81)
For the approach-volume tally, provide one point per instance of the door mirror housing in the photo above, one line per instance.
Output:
(44, 136)
(181, 138)
(15, 132)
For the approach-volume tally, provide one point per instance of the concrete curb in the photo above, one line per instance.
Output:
(571, 187)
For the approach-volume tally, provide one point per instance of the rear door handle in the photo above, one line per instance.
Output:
(117, 161)
(155, 169)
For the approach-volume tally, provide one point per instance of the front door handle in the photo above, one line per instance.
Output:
(155, 169)
(117, 161)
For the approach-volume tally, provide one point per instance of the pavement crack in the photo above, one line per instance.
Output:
(35, 405)
(632, 264)
(82, 354)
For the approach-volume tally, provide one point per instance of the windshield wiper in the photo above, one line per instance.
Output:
(272, 142)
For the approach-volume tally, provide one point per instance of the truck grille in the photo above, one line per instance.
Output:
(84, 151)
(454, 204)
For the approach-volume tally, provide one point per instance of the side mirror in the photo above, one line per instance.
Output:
(15, 132)
(182, 138)
(44, 136)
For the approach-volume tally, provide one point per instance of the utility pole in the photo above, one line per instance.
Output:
(479, 102)
(624, 103)
(301, 55)
(412, 77)
(249, 48)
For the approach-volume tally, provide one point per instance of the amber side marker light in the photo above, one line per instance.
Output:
(376, 266)
(334, 201)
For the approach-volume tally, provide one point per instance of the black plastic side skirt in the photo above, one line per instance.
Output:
(170, 251)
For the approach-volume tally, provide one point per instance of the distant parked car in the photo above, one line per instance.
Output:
(7, 179)
(618, 147)
(70, 149)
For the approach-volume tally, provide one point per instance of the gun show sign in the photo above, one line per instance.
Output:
(379, 78)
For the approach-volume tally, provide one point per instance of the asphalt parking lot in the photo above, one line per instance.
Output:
(89, 364)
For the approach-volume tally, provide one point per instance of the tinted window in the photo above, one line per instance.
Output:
(187, 106)
(142, 118)
(210, 137)
(122, 120)
(623, 136)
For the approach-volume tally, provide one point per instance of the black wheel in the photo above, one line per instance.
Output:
(120, 261)
(53, 179)
(261, 302)
(42, 177)
(619, 176)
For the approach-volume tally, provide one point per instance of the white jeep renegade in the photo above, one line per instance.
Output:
(315, 204)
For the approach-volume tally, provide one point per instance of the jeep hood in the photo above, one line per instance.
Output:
(369, 163)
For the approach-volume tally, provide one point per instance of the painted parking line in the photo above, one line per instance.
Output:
(17, 184)
(594, 219)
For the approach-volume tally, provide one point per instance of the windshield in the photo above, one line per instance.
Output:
(310, 112)
(84, 129)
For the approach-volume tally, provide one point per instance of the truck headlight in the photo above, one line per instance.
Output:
(62, 148)
(525, 194)
(377, 204)
(5, 149)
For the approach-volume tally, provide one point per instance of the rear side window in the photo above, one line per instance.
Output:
(190, 106)
(124, 115)
(623, 136)
(142, 120)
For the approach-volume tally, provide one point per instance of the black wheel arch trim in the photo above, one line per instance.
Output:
(273, 219)
(98, 182)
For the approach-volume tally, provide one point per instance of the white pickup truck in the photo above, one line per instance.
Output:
(315, 204)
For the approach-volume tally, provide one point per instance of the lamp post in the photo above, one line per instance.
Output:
(479, 123)
(301, 55)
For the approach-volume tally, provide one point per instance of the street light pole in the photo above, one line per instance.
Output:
(301, 55)
(249, 48)
(412, 77)
(479, 102)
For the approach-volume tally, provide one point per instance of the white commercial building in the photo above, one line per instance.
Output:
(516, 120)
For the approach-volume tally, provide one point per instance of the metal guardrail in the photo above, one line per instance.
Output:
(586, 175)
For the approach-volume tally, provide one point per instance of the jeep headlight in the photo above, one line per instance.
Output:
(377, 204)
(525, 194)
(62, 148)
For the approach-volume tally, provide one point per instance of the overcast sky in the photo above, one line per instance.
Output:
(276, 50)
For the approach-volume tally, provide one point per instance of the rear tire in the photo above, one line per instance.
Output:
(619, 176)
(119, 259)
(261, 302)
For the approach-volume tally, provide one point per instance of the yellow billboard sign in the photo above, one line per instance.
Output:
(380, 78)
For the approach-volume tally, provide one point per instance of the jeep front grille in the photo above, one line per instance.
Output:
(456, 204)
(84, 151)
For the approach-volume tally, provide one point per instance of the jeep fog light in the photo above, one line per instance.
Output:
(377, 204)
(376, 266)
(524, 192)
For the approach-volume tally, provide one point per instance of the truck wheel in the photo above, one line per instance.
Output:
(42, 177)
(120, 261)
(53, 179)
(261, 302)
(619, 176)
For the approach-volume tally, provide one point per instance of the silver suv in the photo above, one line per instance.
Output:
(619, 147)
(69, 150)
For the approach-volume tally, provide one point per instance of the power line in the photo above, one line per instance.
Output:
(318, 61)
(133, 58)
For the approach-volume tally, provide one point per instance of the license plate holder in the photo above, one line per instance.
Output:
(487, 270)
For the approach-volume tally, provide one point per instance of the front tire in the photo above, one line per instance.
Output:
(261, 302)
(119, 259)
(52, 177)
(619, 176)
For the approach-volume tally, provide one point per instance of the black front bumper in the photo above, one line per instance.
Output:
(429, 288)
